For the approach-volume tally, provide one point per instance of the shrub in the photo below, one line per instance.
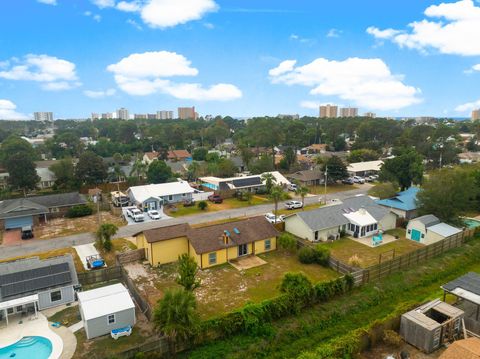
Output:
(306, 255)
(296, 284)
(318, 254)
(107, 244)
(322, 255)
(81, 210)
(202, 205)
(355, 261)
(392, 338)
(287, 242)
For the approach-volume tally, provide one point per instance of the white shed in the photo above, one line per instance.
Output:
(105, 309)
(429, 229)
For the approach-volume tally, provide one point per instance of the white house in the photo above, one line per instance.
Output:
(357, 216)
(153, 196)
(105, 309)
(364, 168)
(429, 229)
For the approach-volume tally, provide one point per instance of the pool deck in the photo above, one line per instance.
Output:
(20, 327)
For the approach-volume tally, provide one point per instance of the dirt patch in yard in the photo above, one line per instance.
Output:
(60, 227)
(224, 288)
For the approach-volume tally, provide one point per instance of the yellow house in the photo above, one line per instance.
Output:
(209, 245)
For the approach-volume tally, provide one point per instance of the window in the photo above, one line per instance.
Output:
(111, 319)
(212, 258)
(184, 194)
(268, 243)
(19, 308)
(55, 296)
(409, 231)
(423, 235)
(170, 197)
(316, 237)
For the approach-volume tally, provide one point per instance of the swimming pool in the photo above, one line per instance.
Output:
(471, 223)
(28, 348)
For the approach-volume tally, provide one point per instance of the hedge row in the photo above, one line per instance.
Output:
(253, 317)
(80, 210)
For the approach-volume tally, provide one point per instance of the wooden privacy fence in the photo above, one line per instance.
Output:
(130, 256)
(100, 275)
(396, 264)
(137, 296)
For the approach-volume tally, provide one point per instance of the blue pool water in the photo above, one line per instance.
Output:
(471, 223)
(28, 348)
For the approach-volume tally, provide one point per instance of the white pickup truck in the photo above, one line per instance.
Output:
(135, 214)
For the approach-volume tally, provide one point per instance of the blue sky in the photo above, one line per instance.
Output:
(239, 57)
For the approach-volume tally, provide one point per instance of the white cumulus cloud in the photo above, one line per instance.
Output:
(48, 2)
(8, 111)
(147, 73)
(53, 73)
(104, 3)
(450, 28)
(126, 6)
(168, 13)
(366, 82)
(99, 93)
(163, 13)
(469, 106)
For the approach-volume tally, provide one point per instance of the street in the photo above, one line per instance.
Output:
(38, 246)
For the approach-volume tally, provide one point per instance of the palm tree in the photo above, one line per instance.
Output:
(302, 191)
(277, 194)
(269, 181)
(104, 235)
(139, 168)
(176, 317)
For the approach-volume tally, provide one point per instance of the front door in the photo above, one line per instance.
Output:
(416, 235)
(242, 250)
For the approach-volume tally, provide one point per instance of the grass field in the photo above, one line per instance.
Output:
(345, 248)
(228, 203)
(312, 329)
(333, 188)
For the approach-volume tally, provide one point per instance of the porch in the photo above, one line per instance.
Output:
(19, 308)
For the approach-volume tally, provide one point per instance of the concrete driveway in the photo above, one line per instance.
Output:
(146, 219)
(84, 251)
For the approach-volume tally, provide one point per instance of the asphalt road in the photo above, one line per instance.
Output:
(37, 246)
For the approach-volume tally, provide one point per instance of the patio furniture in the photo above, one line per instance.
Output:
(120, 332)
(377, 239)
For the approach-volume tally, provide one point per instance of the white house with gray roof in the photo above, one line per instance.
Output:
(357, 216)
(429, 229)
(32, 284)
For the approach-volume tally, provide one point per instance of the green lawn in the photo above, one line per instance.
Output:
(333, 188)
(67, 316)
(344, 248)
(224, 288)
(312, 329)
(228, 203)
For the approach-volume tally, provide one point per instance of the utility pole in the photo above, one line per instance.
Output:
(325, 183)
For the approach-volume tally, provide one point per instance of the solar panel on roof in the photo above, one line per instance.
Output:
(33, 273)
(34, 279)
(227, 232)
(236, 230)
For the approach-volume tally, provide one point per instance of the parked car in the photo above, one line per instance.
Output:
(347, 181)
(292, 187)
(135, 214)
(27, 232)
(293, 205)
(154, 214)
(215, 198)
(271, 218)
(358, 179)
